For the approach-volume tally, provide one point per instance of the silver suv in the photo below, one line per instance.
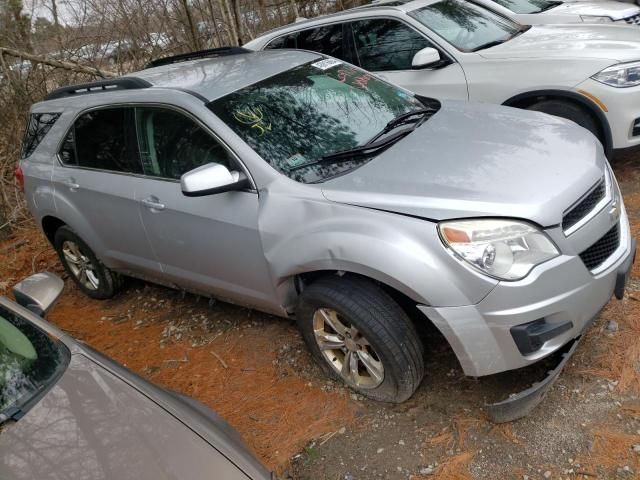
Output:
(302, 186)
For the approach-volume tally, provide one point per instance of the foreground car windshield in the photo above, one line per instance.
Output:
(30, 360)
(311, 111)
(528, 6)
(466, 26)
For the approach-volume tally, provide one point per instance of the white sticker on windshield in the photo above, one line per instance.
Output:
(327, 63)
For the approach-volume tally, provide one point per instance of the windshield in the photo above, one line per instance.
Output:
(528, 6)
(465, 25)
(30, 360)
(312, 111)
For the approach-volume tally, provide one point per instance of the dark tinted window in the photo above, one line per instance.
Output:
(103, 139)
(172, 144)
(326, 39)
(38, 126)
(383, 44)
(288, 41)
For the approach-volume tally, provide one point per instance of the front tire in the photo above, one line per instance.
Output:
(360, 335)
(90, 275)
(569, 111)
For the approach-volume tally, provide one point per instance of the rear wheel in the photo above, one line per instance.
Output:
(569, 111)
(360, 335)
(82, 265)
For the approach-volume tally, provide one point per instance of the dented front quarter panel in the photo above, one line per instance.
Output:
(303, 232)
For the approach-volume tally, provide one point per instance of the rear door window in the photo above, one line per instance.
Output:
(328, 39)
(103, 139)
(385, 44)
(172, 144)
(38, 126)
(286, 41)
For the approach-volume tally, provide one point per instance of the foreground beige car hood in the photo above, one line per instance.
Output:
(92, 425)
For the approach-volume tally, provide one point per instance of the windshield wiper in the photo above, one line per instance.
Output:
(494, 43)
(361, 151)
(401, 120)
(373, 145)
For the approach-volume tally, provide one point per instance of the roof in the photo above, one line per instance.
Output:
(384, 5)
(213, 78)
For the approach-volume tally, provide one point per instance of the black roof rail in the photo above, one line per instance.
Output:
(108, 85)
(185, 57)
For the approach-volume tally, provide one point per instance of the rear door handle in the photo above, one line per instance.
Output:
(71, 183)
(152, 203)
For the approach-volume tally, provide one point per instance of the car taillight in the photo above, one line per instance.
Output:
(20, 177)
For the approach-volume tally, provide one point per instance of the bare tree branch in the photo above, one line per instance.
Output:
(74, 67)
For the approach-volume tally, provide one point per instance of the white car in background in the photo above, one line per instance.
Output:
(535, 12)
(452, 49)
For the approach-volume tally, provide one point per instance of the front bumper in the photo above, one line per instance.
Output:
(623, 110)
(520, 404)
(559, 291)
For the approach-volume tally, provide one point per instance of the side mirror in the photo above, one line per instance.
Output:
(38, 292)
(427, 57)
(210, 179)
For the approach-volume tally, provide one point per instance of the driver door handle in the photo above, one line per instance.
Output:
(152, 203)
(71, 184)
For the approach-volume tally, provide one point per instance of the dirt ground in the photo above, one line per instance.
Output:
(254, 370)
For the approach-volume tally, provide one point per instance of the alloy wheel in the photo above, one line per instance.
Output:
(80, 265)
(347, 351)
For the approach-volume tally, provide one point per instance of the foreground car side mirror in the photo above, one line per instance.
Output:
(39, 292)
(428, 58)
(210, 179)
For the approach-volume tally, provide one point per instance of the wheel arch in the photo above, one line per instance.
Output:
(50, 225)
(523, 100)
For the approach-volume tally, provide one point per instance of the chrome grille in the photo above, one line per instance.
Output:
(634, 20)
(597, 254)
(584, 206)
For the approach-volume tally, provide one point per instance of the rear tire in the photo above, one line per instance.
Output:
(569, 111)
(90, 275)
(359, 325)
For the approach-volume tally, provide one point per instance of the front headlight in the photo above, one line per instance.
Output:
(621, 75)
(503, 249)
(594, 19)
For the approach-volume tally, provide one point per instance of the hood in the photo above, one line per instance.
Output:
(476, 161)
(612, 42)
(611, 9)
(92, 424)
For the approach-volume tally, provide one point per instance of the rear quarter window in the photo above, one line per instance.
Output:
(38, 125)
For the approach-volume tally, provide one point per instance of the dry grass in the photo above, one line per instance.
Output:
(505, 430)
(462, 426)
(611, 450)
(444, 439)
(455, 468)
(632, 409)
(620, 359)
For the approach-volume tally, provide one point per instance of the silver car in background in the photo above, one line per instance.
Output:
(68, 412)
(305, 187)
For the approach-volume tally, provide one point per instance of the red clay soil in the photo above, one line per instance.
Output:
(217, 355)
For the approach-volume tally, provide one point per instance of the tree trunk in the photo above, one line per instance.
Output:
(237, 22)
(192, 27)
(218, 40)
(231, 22)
